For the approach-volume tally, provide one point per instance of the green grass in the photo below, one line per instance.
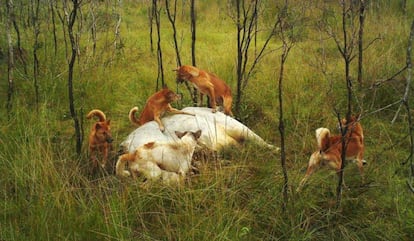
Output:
(48, 192)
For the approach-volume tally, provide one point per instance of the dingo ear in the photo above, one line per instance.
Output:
(197, 134)
(180, 134)
(193, 71)
(149, 145)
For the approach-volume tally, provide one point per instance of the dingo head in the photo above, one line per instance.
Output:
(186, 72)
(103, 131)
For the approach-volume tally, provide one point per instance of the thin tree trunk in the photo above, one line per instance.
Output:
(71, 22)
(172, 18)
(341, 172)
(360, 40)
(246, 20)
(10, 62)
(347, 59)
(256, 20)
(118, 33)
(36, 32)
(93, 27)
(193, 33)
(63, 21)
(193, 48)
(21, 55)
(151, 15)
(160, 75)
(286, 49)
(239, 56)
(52, 10)
(285, 52)
(118, 40)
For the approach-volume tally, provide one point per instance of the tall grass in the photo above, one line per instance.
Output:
(49, 193)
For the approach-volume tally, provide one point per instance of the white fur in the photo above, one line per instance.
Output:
(169, 161)
(320, 134)
(153, 172)
(218, 130)
(194, 72)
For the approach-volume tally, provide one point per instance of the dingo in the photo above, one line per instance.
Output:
(100, 138)
(209, 84)
(156, 106)
(330, 149)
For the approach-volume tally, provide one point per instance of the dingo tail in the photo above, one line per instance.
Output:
(132, 116)
(322, 138)
(120, 164)
(97, 113)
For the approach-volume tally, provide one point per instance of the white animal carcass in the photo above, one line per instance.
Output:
(217, 130)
